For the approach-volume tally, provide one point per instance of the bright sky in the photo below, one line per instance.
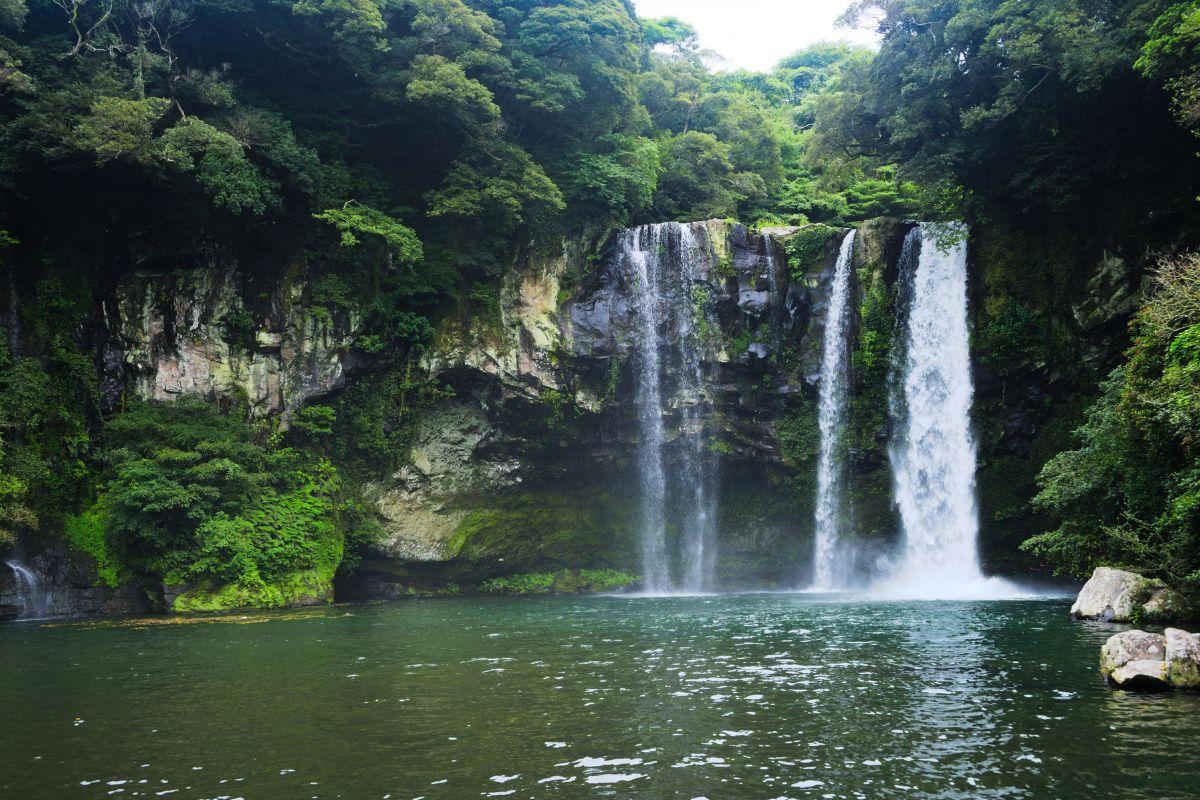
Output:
(755, 34)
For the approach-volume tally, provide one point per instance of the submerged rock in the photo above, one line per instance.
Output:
(1141, 661)
(1114, 595)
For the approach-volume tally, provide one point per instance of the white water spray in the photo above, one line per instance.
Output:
(666, 264)
(831, 420)
(32, 599)
(933, 453)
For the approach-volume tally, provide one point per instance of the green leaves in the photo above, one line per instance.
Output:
(354, 220)
(504, 187)
(1029, 106)
(670, 32)
(1127, 495)
(443, 86)
(616, 181)
(12, 13)
(219, 164)
(1172, 55)
(188, 490)
(117, 128)
(700, 181)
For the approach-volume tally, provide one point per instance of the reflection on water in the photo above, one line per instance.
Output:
(754, 696)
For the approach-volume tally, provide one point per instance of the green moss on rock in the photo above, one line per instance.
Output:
(536, 531)
(304, 588)
(571, 581)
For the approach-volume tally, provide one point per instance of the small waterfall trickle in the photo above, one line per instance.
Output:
(933, 450)
(32, 598)
(667, 266)
(835, 378)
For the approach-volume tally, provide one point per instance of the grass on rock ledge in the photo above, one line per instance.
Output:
(568, 581)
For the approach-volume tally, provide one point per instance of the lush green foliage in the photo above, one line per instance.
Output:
(806, 249)
(740, 144)
(48, 396)
(189, 495)
(1129, 496)
(1029, 107)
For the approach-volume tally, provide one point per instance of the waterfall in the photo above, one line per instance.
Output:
(699, 513)
(667, 267)
(32, 599)
(641, 247)
(933, 450)
(831, 421)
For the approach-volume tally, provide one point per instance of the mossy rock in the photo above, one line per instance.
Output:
(303, 588)
(541, 531)
(571, 581)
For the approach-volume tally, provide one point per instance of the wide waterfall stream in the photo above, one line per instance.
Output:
(933, 450)
(666, 263)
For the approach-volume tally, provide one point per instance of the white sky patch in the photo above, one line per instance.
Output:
(756, 34)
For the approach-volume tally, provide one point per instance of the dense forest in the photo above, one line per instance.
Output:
(397, 157)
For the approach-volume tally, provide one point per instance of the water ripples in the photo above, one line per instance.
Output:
(748, 697)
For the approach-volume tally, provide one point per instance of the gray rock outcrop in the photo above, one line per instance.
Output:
(1114, 595)
(1141, 661)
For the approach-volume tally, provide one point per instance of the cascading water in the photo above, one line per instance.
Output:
(831, 421)
(641, 247)
(933, 451)
(666, 264)
(32, 598)
(699, 514)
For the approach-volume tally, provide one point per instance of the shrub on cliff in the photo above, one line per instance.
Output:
(190, 496)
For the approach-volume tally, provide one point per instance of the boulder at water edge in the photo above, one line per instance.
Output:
(1143, 661)
(1114, 595)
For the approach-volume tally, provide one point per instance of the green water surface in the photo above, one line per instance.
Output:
(748, 696)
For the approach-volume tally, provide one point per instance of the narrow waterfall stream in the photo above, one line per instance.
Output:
(698, 514)
(667, 264)
(933, 451)
(31, 595)
(827, 565)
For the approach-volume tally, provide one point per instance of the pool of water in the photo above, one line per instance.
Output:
(749, 696)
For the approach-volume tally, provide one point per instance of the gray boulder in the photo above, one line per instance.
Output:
(1135, 660)
(1183, 658)
(1143, 661)
(1114, 595)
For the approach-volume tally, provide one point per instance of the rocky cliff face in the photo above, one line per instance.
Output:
(59, 583)
(190, 333)
(529, 462)
(531, 465)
